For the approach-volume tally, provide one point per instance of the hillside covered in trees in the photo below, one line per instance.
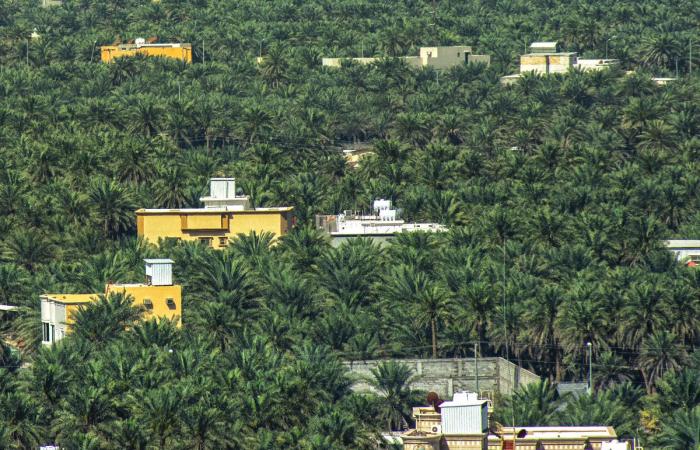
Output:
(558, 192)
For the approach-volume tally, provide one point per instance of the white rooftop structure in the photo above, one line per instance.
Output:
(465, 414)
(383, 222)
(222, 194)
(159, 272)
(544, 47)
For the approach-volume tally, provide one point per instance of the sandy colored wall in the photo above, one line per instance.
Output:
(446, 376)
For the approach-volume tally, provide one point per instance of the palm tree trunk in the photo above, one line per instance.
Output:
(433, 330)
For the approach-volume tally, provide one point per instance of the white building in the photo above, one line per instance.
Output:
(383, 224)
(442, 57)
(686, 250)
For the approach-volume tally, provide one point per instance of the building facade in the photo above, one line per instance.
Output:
(225, 214)
(179, 51)
(158, 297)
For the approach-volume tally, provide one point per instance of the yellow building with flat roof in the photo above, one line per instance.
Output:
(141, 47)
(224, 215)
(158, 297)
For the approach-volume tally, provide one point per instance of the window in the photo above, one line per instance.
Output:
(45, 332)
(148, 304)
(223, 241)
(53, 333)
(206, 241)
(171, 303)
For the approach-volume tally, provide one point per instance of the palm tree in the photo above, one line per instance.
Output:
(225, 278)
(393, 380)
(680, 430)
(20, 420)
(113, 205)
(534, 404)
(204, 424)
(659, 353)
(28, 248)
(432, 306)
(159, 412)
(106, 318)
(599, 409)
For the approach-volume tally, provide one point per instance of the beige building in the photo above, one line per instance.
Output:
(443, 57)
(545, 58)
(463, 424)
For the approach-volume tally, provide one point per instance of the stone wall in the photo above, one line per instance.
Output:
(446, 376)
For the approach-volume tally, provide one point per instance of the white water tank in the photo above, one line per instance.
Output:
(159, 272)
(387, 215)
(465, 414)
(222, 188)
(382, 204)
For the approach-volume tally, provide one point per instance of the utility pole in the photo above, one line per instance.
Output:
(676, 67)
(202, 52)
(590, 367)
(505, 317)
(92, 53)
(606, 45)
(690, 57)
(27, 52)
(476, 366)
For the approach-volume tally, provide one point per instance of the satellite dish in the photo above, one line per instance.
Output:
(434, 400)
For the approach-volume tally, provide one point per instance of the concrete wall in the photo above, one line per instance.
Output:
(446, 376)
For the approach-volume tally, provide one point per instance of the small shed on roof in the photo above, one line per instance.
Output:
(159, 272)
(544, 47)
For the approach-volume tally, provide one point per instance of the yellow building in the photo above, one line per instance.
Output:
(141, 47)
(158, 296)
(224, 215)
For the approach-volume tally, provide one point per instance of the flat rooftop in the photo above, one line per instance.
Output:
(683, 243)
(71, 298)
(212, 210)
(562, 432)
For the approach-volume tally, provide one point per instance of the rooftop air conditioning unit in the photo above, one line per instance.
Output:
(437, 429)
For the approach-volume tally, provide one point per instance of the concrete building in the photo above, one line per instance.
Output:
(50, 3)
(225, 214)
(546, 58)
(443, 57)
(489, 377)
(381, 225)
(463, 424)
(686, 250)
(141, 47)
(158, 296)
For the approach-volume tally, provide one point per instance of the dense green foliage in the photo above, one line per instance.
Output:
(558, 191)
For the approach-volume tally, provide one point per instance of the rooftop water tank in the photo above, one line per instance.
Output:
(222, 188)
(465, 414)
(159, 272)
(382, 204)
